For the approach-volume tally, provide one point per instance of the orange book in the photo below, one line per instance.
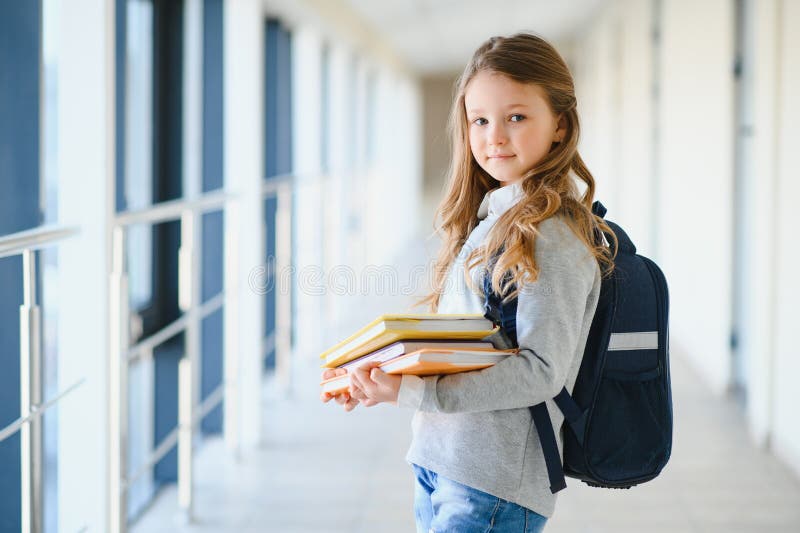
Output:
(427, 362)
(397, 349)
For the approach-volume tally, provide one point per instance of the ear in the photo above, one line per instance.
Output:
(561, 129)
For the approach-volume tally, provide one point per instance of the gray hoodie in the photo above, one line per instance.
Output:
(475, 427)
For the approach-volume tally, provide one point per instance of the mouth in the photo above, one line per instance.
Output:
(501, 157)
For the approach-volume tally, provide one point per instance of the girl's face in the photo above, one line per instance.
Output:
(511, 125)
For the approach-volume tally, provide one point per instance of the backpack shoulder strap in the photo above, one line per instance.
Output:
(503, 314)
(575, 418)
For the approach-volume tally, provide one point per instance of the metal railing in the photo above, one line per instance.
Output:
(123, 354)
(191, 411)
(29, 423)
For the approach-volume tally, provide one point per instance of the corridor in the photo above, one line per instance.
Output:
(198, 197)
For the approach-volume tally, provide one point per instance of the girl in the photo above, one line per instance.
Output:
(512, 211)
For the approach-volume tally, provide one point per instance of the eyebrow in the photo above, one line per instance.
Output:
(508, 108)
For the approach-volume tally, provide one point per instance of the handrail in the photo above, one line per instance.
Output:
(29, 423)
(191, 410)
(33, 239)
(272, 184)
(37, 411)
(172, 209)
(189, 213)
(146, 345)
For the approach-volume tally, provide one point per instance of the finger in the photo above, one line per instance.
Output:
(358, 371)
(369, 403)
(328, 373)
(378, 376)
(361, 381)
(328, 396)
(342, 398)
(363, 374)
(355, 381)
(358, 394)
(350, 404)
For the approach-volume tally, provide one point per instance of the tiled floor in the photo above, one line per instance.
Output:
(323, 470)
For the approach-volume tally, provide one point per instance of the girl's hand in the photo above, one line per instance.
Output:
(370, 385)
(343, 398)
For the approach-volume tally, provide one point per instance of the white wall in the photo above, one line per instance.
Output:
(695, 180)
(786, 393)
(437, 98)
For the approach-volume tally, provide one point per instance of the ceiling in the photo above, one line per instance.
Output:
(439, 36)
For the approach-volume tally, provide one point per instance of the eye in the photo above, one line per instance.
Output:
(517, 118)
(480, 121)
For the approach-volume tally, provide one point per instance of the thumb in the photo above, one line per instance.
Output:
(379, 376)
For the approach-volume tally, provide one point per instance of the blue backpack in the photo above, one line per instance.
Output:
(620, 411)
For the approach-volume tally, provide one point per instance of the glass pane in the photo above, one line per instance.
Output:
(48, 258)
(139, 194)
(139, 144)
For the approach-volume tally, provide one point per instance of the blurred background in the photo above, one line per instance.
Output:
(199, 196)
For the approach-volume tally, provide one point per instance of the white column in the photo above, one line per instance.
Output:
(757, 298)
(306, 110)
(410, 166)
(598, 102)
(394, 185)
(244, 135)
(193, 151)
(696, 180)
(614, 74)
(635, 180)
(337, 190)
(385, 144)
(359, 198)
(86, 200)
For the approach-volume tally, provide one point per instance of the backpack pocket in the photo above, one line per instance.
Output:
(627, 425)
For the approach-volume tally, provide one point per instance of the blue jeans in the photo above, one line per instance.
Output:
(442, 505)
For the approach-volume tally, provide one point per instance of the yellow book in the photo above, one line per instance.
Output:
(387, 329)
(428, 362)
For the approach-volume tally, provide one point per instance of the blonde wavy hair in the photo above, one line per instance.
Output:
(549, 189)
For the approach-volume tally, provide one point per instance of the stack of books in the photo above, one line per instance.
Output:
(420, 344)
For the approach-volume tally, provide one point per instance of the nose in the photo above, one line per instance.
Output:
(496, 134)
